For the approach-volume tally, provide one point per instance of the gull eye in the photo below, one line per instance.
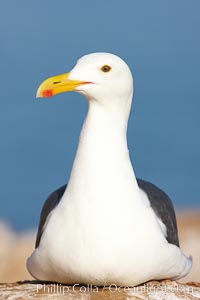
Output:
(106, 68)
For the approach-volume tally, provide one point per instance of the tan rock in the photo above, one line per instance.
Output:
(153, 290)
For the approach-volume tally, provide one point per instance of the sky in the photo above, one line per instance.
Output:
(159, 40)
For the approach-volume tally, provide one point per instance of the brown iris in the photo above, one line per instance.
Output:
(105, 68)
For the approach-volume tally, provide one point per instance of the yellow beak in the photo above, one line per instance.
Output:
(56, 85)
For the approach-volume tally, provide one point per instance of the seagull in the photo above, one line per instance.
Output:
(105, 226)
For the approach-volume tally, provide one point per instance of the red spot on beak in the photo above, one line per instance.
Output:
(47, 93)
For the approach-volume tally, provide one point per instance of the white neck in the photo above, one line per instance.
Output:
(102, 169)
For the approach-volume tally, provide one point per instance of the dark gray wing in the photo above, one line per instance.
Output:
(160, 203)
(51, 202)
(163, 208)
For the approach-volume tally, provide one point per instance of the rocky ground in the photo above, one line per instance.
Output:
(154, 290)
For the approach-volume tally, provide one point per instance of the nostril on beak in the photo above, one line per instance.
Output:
(56, 82)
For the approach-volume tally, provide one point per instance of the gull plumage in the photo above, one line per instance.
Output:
(104, 227)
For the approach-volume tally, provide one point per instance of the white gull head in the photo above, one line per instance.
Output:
(110, 77)
(103, 78)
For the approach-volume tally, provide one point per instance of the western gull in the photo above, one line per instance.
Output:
(105, 226)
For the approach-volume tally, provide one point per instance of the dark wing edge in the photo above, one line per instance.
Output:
(51, 202)
(163, 208)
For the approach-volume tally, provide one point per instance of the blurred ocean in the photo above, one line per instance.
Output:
(161, 43)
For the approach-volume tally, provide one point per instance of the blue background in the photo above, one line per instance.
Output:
(159, 40)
